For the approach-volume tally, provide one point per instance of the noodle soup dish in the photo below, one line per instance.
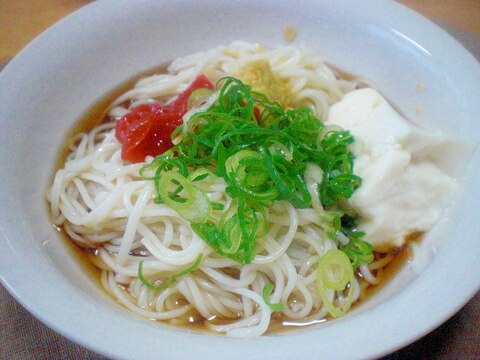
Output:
(247, 189)
(270, 182)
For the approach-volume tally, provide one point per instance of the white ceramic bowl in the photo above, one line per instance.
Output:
(46, 88)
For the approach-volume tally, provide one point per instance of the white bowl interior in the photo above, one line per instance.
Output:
(47, 88)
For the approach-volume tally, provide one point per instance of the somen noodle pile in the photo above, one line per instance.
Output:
(247, 214)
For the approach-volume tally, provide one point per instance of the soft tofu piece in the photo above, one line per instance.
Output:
(406, 172)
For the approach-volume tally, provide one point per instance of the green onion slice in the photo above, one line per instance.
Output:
(198, 97)
(359, 251)
(172, 280)
(187, 199)
(335, 273)
(266, 292)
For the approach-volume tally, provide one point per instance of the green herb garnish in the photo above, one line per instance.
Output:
(172, 280)
(266, 292)
(334, 273)
(358, 250)
(262, 151)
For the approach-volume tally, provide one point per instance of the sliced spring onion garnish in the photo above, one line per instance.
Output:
(202, 174)
(266, 292)
(262, 151)
(335, 274)
(198, 97)
(172, 280)
(187, 199)
(358, 251)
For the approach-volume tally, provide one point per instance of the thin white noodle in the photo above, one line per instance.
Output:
(262, 325)
(133, 221)
(102, 202)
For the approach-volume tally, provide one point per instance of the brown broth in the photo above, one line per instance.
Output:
(401, 257)
(81, 255)
(96, 115)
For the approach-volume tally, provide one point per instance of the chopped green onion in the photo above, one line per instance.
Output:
(194, 206)
(198, 97)
(262, 151)
(266, 292)
(202, 174)
(334, 274)
(359, 251)
(172, 280)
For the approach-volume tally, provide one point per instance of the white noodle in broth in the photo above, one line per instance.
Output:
(102, 202)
